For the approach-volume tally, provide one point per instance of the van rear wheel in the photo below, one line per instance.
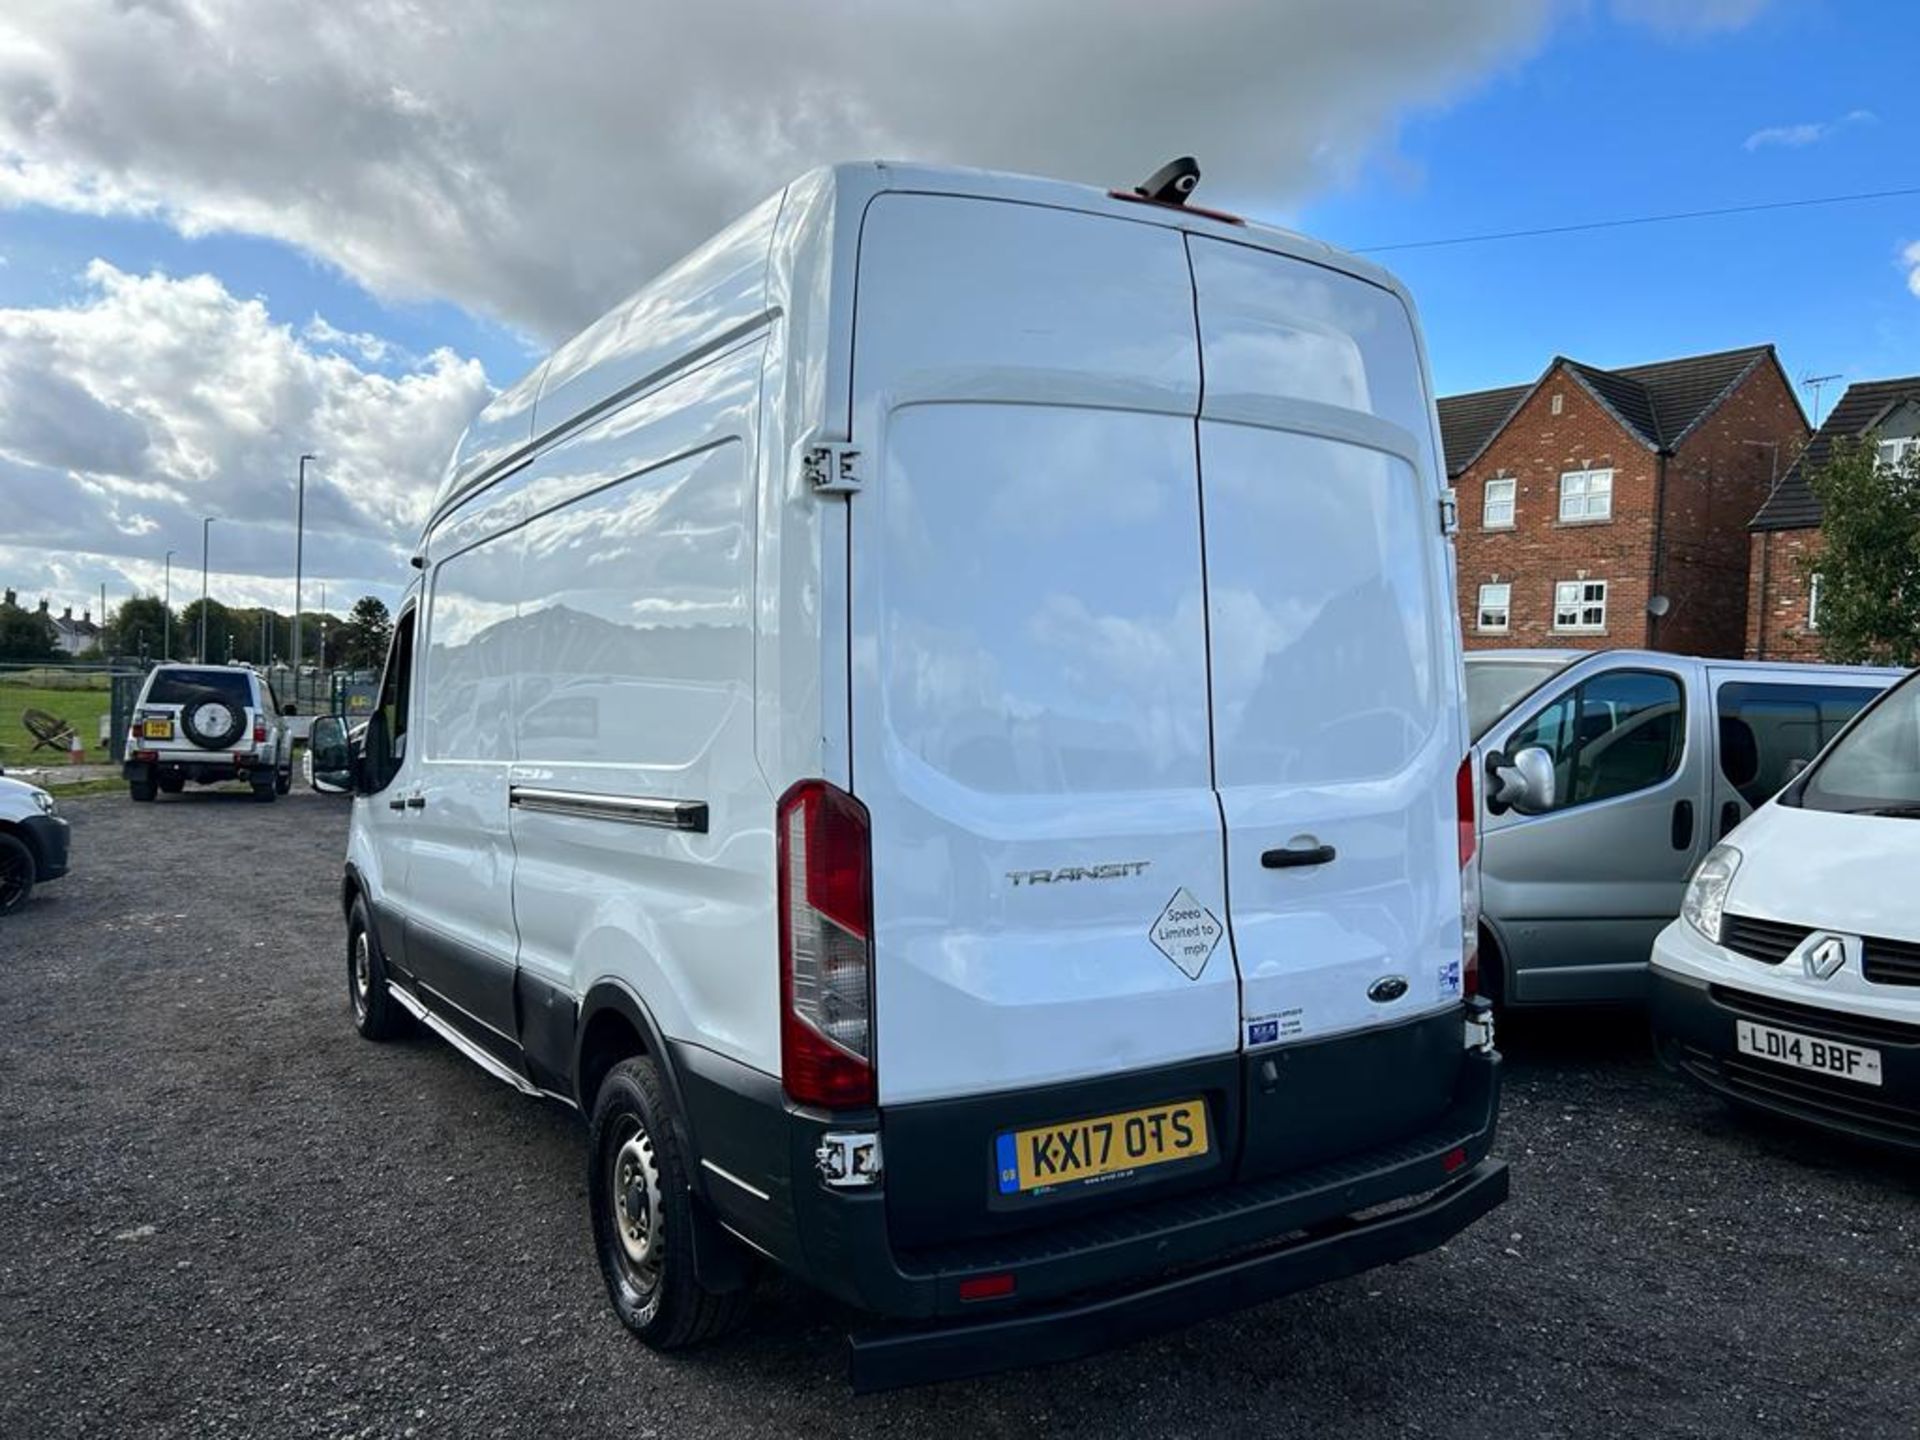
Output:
(637, 1188)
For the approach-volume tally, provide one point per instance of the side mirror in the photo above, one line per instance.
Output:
(1794, 767)
(331, 755)
(1522, 782)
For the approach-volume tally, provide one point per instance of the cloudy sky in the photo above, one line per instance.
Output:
(234, 230)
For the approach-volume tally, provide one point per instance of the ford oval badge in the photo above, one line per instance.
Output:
(1387, 989)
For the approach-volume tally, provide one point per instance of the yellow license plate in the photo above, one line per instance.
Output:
(1102, 1148)
(157, 729)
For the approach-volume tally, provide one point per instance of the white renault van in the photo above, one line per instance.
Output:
(1791, 982)
(938, 726)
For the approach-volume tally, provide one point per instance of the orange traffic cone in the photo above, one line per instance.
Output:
(76, 751)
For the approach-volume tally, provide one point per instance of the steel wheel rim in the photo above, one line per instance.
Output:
(633, 1179)
(362, 974)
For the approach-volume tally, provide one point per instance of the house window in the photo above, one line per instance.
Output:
(1813, 601)
(1894, 452)
(1496, 504)
(1586, 495)
(1580, 605)
(1496, 603)
(1559, 402)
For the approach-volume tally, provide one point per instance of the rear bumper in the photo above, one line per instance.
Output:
(1076, 1329)
(1093, 1278)
(217, 765)
(1693, 1029)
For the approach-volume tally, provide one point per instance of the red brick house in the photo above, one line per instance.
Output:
(1609, 508)
(1783, 611)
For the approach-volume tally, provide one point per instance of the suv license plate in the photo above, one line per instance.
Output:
(1805, 1052)
(1103, 1148)
(157, 729)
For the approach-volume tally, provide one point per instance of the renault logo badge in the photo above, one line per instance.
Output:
(1823, 961)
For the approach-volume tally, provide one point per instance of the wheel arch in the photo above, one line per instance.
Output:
(614, 1025)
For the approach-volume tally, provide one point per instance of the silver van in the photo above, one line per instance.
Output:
(1604, 777)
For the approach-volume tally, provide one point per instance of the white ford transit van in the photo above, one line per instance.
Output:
(1791, 982)
(938, 726)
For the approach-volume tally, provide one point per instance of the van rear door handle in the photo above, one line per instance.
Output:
(396, 804)
(1289, 858)
(1682, 824)
(416, 802)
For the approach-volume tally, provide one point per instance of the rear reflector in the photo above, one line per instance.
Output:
(1453, 1159)
(1463, 808)
(825, 893)
(987, 1287)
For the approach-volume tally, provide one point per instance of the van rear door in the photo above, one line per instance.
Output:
(1029, 698)
(1336, 707)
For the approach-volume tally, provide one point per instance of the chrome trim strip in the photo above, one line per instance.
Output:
(690, 815)
(460, 1042)
(752, 1190)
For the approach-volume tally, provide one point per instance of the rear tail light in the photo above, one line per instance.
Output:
(826, 947)
(1466, 830)
(259, 732)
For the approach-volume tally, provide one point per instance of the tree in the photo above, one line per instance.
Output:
(140, 628)
(361, 643)
(220, 636)
(24, 634)
(1869, 566)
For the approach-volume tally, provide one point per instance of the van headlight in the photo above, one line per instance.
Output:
(1706, 898)
(44, 801)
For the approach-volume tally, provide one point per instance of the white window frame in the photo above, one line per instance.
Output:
(1584, 487)
(1813, 602)
(1579, 599)
(1894, 451)
(1505, 607)
(1488, 502)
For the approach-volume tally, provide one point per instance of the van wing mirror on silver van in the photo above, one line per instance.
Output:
(1522, 781)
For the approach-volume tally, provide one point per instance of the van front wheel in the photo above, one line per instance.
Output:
(637, 1188)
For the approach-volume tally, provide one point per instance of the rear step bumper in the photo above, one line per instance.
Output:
(1070, 1331)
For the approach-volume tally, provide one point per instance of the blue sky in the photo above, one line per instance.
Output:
(446, 204)
(1612, 120)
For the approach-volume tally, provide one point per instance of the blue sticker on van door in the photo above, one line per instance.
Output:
(1007, 1161)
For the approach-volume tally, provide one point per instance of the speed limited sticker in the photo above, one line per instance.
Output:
(1186, 933)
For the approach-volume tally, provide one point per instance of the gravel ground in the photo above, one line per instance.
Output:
(224, 1214)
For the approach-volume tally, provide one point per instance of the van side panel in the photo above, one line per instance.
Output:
(634, 680)
(1029, 654)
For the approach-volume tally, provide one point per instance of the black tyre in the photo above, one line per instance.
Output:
(283, 782)
(17, 872)
(637, 1188)
(264, 791)
(210, 721)
(376, 1015)
(172, 784)
(141, 790)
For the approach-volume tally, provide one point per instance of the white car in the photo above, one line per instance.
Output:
(207, 724)
(1791, 982)
(33, 842)
(969, 813)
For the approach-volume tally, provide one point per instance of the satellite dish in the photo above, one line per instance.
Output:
(1658, 605)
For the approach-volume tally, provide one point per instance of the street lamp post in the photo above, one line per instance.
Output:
(166, 621)
(299, 536)
(206, 523)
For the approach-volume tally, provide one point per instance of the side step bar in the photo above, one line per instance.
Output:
(489, 1063)
(888, 1360)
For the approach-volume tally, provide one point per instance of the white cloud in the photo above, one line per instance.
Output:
(1910, 262)
(1811, 132)
(151, 401)
(536, 167)
(1686, 19)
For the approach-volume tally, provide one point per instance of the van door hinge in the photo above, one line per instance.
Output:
(1449, 511)
(832, 468)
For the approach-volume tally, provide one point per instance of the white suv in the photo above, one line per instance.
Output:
(207, 724)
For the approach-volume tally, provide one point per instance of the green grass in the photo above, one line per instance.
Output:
(81, 709)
